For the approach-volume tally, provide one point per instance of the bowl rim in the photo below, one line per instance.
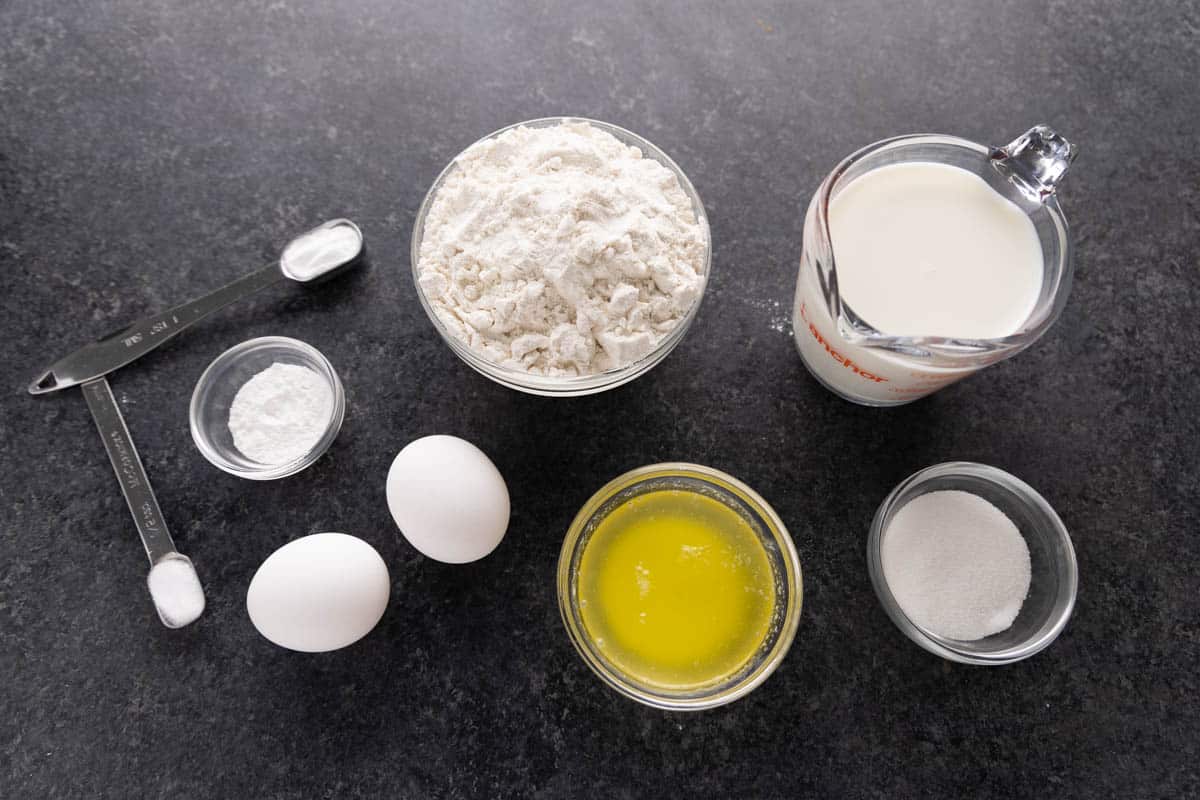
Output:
(576, 385)
(647, 694)
(943, 646)
(269, 471)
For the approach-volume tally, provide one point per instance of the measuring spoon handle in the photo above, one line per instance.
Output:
(130, 472)
(129, 344)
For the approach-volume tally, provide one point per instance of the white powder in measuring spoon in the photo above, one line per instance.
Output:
(561, 251)
(176, 591)
(956, 564)
(279, 414)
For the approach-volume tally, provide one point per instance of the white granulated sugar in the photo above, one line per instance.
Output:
(956, 565)
(561, 251)
(280, 413)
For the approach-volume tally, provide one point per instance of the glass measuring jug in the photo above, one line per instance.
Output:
(852, 358)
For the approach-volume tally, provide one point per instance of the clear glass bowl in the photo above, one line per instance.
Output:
(777, 544)
(214, 392)
(565, 386)
(1054, 579)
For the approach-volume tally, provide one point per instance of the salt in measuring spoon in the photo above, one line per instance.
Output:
(311, 257)
(178, 597)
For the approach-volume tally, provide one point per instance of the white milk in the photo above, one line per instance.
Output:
(922, 249)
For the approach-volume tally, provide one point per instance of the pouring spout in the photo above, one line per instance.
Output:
(1035, 161)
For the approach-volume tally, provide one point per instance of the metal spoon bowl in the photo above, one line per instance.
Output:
(317, 255)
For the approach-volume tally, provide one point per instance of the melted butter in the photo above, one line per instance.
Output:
(675, 589)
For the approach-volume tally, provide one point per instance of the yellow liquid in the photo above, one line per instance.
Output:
(675, 589)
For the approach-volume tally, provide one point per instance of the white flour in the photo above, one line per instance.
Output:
(956, 564)
(280, 413)
(561, 251)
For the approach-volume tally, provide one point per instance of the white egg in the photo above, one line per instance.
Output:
(448, 498)
(319, 593)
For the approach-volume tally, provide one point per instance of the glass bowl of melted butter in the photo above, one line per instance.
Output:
(679, 586)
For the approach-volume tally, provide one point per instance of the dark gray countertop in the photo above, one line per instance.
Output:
(152, 150)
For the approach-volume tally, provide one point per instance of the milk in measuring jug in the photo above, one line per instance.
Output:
(921, 249)
(928, 249)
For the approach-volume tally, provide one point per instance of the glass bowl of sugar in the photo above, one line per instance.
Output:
(972, 564)
(561, 256)
(267, 408)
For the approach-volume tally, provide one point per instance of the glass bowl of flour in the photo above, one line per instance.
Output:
(267, 408)
(561, 256)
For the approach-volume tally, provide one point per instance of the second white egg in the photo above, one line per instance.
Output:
(319, 593)
(448, 499)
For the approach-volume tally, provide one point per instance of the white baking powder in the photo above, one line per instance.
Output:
(318, 251)
(176, 591)
(956, 565)
(280, 413)
(561, 251)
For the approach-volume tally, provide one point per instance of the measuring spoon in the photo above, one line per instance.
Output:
(175, 612)
(311, 257)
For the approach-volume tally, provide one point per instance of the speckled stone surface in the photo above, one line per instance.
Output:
(152, 150)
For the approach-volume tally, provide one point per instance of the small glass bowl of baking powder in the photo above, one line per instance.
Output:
(227, 374)
(552, 385)
(1054, 574)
